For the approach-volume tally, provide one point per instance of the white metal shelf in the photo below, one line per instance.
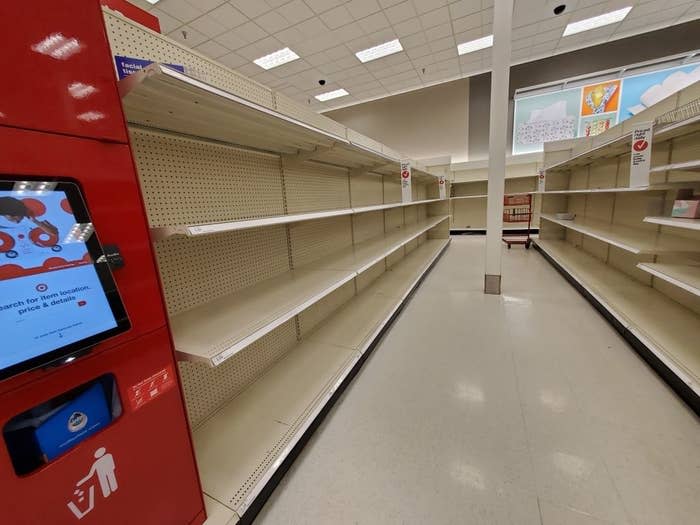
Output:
(196, 230)
(215, 331)
(685, 276)
(507, 178)
(162, 98)
(620, 145)
(668, 329)
(239, 448)
(687, 224)
(626, 238)
(468, 197)
(605, 190)
(691, 165)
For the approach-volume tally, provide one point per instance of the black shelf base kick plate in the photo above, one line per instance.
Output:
(482, 231)
(681, 388)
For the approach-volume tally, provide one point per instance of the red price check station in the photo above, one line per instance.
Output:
(93, 421)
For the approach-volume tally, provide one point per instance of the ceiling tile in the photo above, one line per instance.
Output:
(321, 6)
(437, 32)
(250, 32)
(231, 40)
(167, 22)
(337, 17)
(418, 52)
(374, 22)
(290, 36)
(546, 36)
(318, 59)
(295, 11)
(208, 25)
(442, 44)
(400, 12)
(330, 68)
(467, 22)
(228, 16)
(312, 27)
(212, 49)
(251, 8)
(521, 43)
(435, 17)
(423, 6)
(362, 8)
(348, 32)
(233, 60)
(388, 3)
(180, 10)
(524, 31)
(464, 7)
(413, 41)
(447, 54)
(188, 35)
(272, 22)
(206, 5)
(408, 27)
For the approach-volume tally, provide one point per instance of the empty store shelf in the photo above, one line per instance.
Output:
(685, 276)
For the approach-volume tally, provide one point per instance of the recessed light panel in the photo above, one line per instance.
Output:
(382, 50)
(597, 21)
(276, 59)
(475, 45)
(330, 95)
(152, 1)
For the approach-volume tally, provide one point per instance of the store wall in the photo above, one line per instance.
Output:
(441, 120)
(649, 46)
(427, 123)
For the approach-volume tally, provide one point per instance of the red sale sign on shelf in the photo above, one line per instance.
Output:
(640, 160)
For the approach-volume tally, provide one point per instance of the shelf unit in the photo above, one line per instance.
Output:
(636, 264)
(284, 252)
(468, 202)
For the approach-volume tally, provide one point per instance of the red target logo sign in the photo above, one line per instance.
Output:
(640, 145)
(41, 287)
(405, 174)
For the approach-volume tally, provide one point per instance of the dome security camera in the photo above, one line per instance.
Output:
(559, 9)
(322, 82)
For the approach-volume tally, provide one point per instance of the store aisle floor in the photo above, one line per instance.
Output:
(522, 409)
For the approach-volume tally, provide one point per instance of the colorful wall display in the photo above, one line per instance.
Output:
(591, 109)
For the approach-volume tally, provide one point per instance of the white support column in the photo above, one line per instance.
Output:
(498, 126)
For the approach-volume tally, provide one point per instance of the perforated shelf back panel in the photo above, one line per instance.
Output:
(313, 240)
(206, 388)
(394, 218)
(186, 181)
(313, 187)
(410, 214)
(392, 189)
(368, 225)
(197, 270)
(318, 312)
(366, 189)
(367, 277)
(127, 38)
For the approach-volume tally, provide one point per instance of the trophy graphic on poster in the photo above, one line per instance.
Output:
(598, 98)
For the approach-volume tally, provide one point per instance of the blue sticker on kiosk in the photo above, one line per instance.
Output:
(73, 422)
(128, 65)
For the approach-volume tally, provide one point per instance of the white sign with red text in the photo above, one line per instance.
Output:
(441, 185)
(640, 160)
(406, 194)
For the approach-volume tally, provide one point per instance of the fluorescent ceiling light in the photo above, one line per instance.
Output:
(475, 45)
(330, 95)
(382, 50)
(152, 1)
(597, 21)
(276, 59)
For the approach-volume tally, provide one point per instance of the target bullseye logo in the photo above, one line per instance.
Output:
(41, 287)
(640, 145)
(405, 174)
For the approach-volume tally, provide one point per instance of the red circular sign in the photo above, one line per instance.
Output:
(405, 174)
(640, 145)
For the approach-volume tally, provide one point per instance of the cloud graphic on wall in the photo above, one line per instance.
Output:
(671, 84)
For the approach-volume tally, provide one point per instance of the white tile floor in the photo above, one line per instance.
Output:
(522, 409)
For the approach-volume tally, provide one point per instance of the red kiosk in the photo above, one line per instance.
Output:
(94, 428)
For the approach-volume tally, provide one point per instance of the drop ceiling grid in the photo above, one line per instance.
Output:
(327, 33)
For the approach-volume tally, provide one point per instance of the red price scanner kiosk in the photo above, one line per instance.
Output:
(94, 428)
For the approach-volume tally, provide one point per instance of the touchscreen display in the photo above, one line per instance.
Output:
(54, 292)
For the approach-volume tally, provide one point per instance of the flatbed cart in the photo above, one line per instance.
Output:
(517, 208)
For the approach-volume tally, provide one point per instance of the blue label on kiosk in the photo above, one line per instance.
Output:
(128, 65)
(74, 422)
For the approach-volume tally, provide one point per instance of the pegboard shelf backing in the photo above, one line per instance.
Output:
(622, 246)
